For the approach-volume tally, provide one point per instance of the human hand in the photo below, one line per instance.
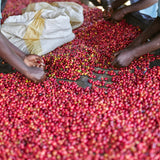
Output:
(123, 58)
(36, 74)
(32, 60)
(108, 13)
(119, 14)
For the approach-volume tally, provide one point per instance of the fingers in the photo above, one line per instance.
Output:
(115, 63)
(35, 61)
(38, 65)
(41, 80)
(107, 14)
(116, 54)
(43, 77)
(114, 21)
(107, 18)
(33, 57)
(40, 61)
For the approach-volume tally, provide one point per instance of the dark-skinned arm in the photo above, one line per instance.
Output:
(30, 60)
(7, 53)
(148, 33)
(150, 46)
(116, 4)
(124, 57)
(9, 56)
(142, 4)
(16, 50)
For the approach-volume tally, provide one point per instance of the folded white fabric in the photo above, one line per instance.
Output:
(43, 27)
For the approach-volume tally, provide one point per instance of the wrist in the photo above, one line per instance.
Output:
(27, 71)
(140, 50)
(126, 10)
(25, 57)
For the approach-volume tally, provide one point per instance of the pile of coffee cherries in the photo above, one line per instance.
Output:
(61, 120)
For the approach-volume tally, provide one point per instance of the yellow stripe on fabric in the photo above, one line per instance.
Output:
(33, 33)
(55, 4)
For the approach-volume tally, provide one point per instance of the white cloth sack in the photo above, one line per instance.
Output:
(43, 27)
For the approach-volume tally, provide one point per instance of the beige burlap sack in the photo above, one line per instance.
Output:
(43, 27)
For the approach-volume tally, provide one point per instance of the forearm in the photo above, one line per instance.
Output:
(116, 4)
(150, 31)
(142, 4)
(145, 48)
(9, 56)
(12, 47)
